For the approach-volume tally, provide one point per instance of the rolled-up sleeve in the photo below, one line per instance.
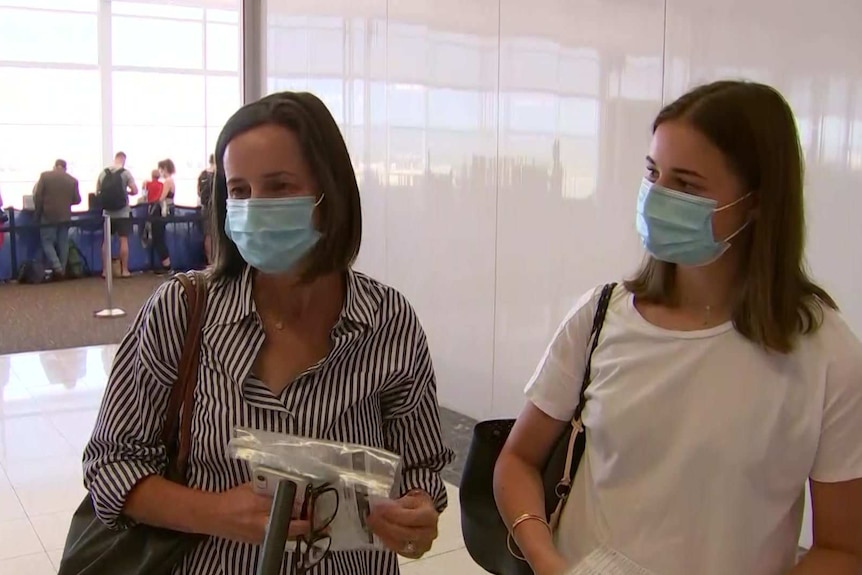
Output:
(125, 446)
(412, 425)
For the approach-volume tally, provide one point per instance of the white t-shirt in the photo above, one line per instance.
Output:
(699, 444)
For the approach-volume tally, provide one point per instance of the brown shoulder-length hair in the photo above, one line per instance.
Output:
(323, 148)
(753, 126)
(168, 165)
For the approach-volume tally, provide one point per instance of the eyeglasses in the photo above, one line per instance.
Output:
(319, 507)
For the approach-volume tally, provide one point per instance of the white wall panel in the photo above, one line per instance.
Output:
(415, 93)
(575, 110)
(337, 50)
(499, 145)
(441, 191)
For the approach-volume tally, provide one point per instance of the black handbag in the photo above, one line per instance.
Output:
(93, 549)
(485, 534)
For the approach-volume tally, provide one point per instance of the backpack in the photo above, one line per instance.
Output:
(76, 265)
(112, 191)
(205, 187)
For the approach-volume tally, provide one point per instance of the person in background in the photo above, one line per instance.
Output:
(205, 186)
(159, 210)
(152, 195)
(114, 186)
(53, 196)
(295, 341)
(4, 217)
(724, 381)
(153, 187)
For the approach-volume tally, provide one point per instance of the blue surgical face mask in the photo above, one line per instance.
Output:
(676, 227)
(272, 234)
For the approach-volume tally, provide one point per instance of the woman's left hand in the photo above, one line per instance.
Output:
(407, 526)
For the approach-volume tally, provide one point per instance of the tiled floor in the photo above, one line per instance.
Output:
(49, 403)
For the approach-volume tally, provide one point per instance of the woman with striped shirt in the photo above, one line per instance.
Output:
(294, 342)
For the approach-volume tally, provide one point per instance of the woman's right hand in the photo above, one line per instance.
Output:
(243, 515)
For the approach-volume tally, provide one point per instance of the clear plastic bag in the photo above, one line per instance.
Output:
(352, 478)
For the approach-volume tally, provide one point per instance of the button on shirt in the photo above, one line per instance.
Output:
(376, 387)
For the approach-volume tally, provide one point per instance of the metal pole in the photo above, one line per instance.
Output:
(108, 269)
(272, 553)
(253, 50)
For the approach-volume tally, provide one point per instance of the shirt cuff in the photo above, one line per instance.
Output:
(111, 486)
(428, 481)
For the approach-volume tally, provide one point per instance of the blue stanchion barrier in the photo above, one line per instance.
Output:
(183, 235)
(5, 257)
(186, 240)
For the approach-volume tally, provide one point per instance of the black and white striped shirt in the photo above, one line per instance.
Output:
(376, 387)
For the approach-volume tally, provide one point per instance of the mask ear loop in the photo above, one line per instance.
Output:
(726, 241)
(743, 226)
(316, 205)
(737, 232)
(733, 203)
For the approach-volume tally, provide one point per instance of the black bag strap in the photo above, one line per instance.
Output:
(598, 323)
(575, 436)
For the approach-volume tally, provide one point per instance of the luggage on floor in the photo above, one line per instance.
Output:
(32, 272)
(76, 265)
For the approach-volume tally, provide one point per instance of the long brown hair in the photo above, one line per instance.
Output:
(753, 126)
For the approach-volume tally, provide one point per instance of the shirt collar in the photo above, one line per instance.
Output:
(360, 300)
(234, 300)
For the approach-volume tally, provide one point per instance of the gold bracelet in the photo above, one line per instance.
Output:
(510, 538)
(528, 517)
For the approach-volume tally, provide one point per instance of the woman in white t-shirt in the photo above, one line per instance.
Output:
(724, 377)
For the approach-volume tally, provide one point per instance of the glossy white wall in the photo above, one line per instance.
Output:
(442, 194)
(500, 143)
(413, 84)
(579, 84)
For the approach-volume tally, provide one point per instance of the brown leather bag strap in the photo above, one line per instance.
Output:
(191, 376)
(178, 420)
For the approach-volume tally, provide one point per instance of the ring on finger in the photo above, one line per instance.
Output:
(409, 548)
